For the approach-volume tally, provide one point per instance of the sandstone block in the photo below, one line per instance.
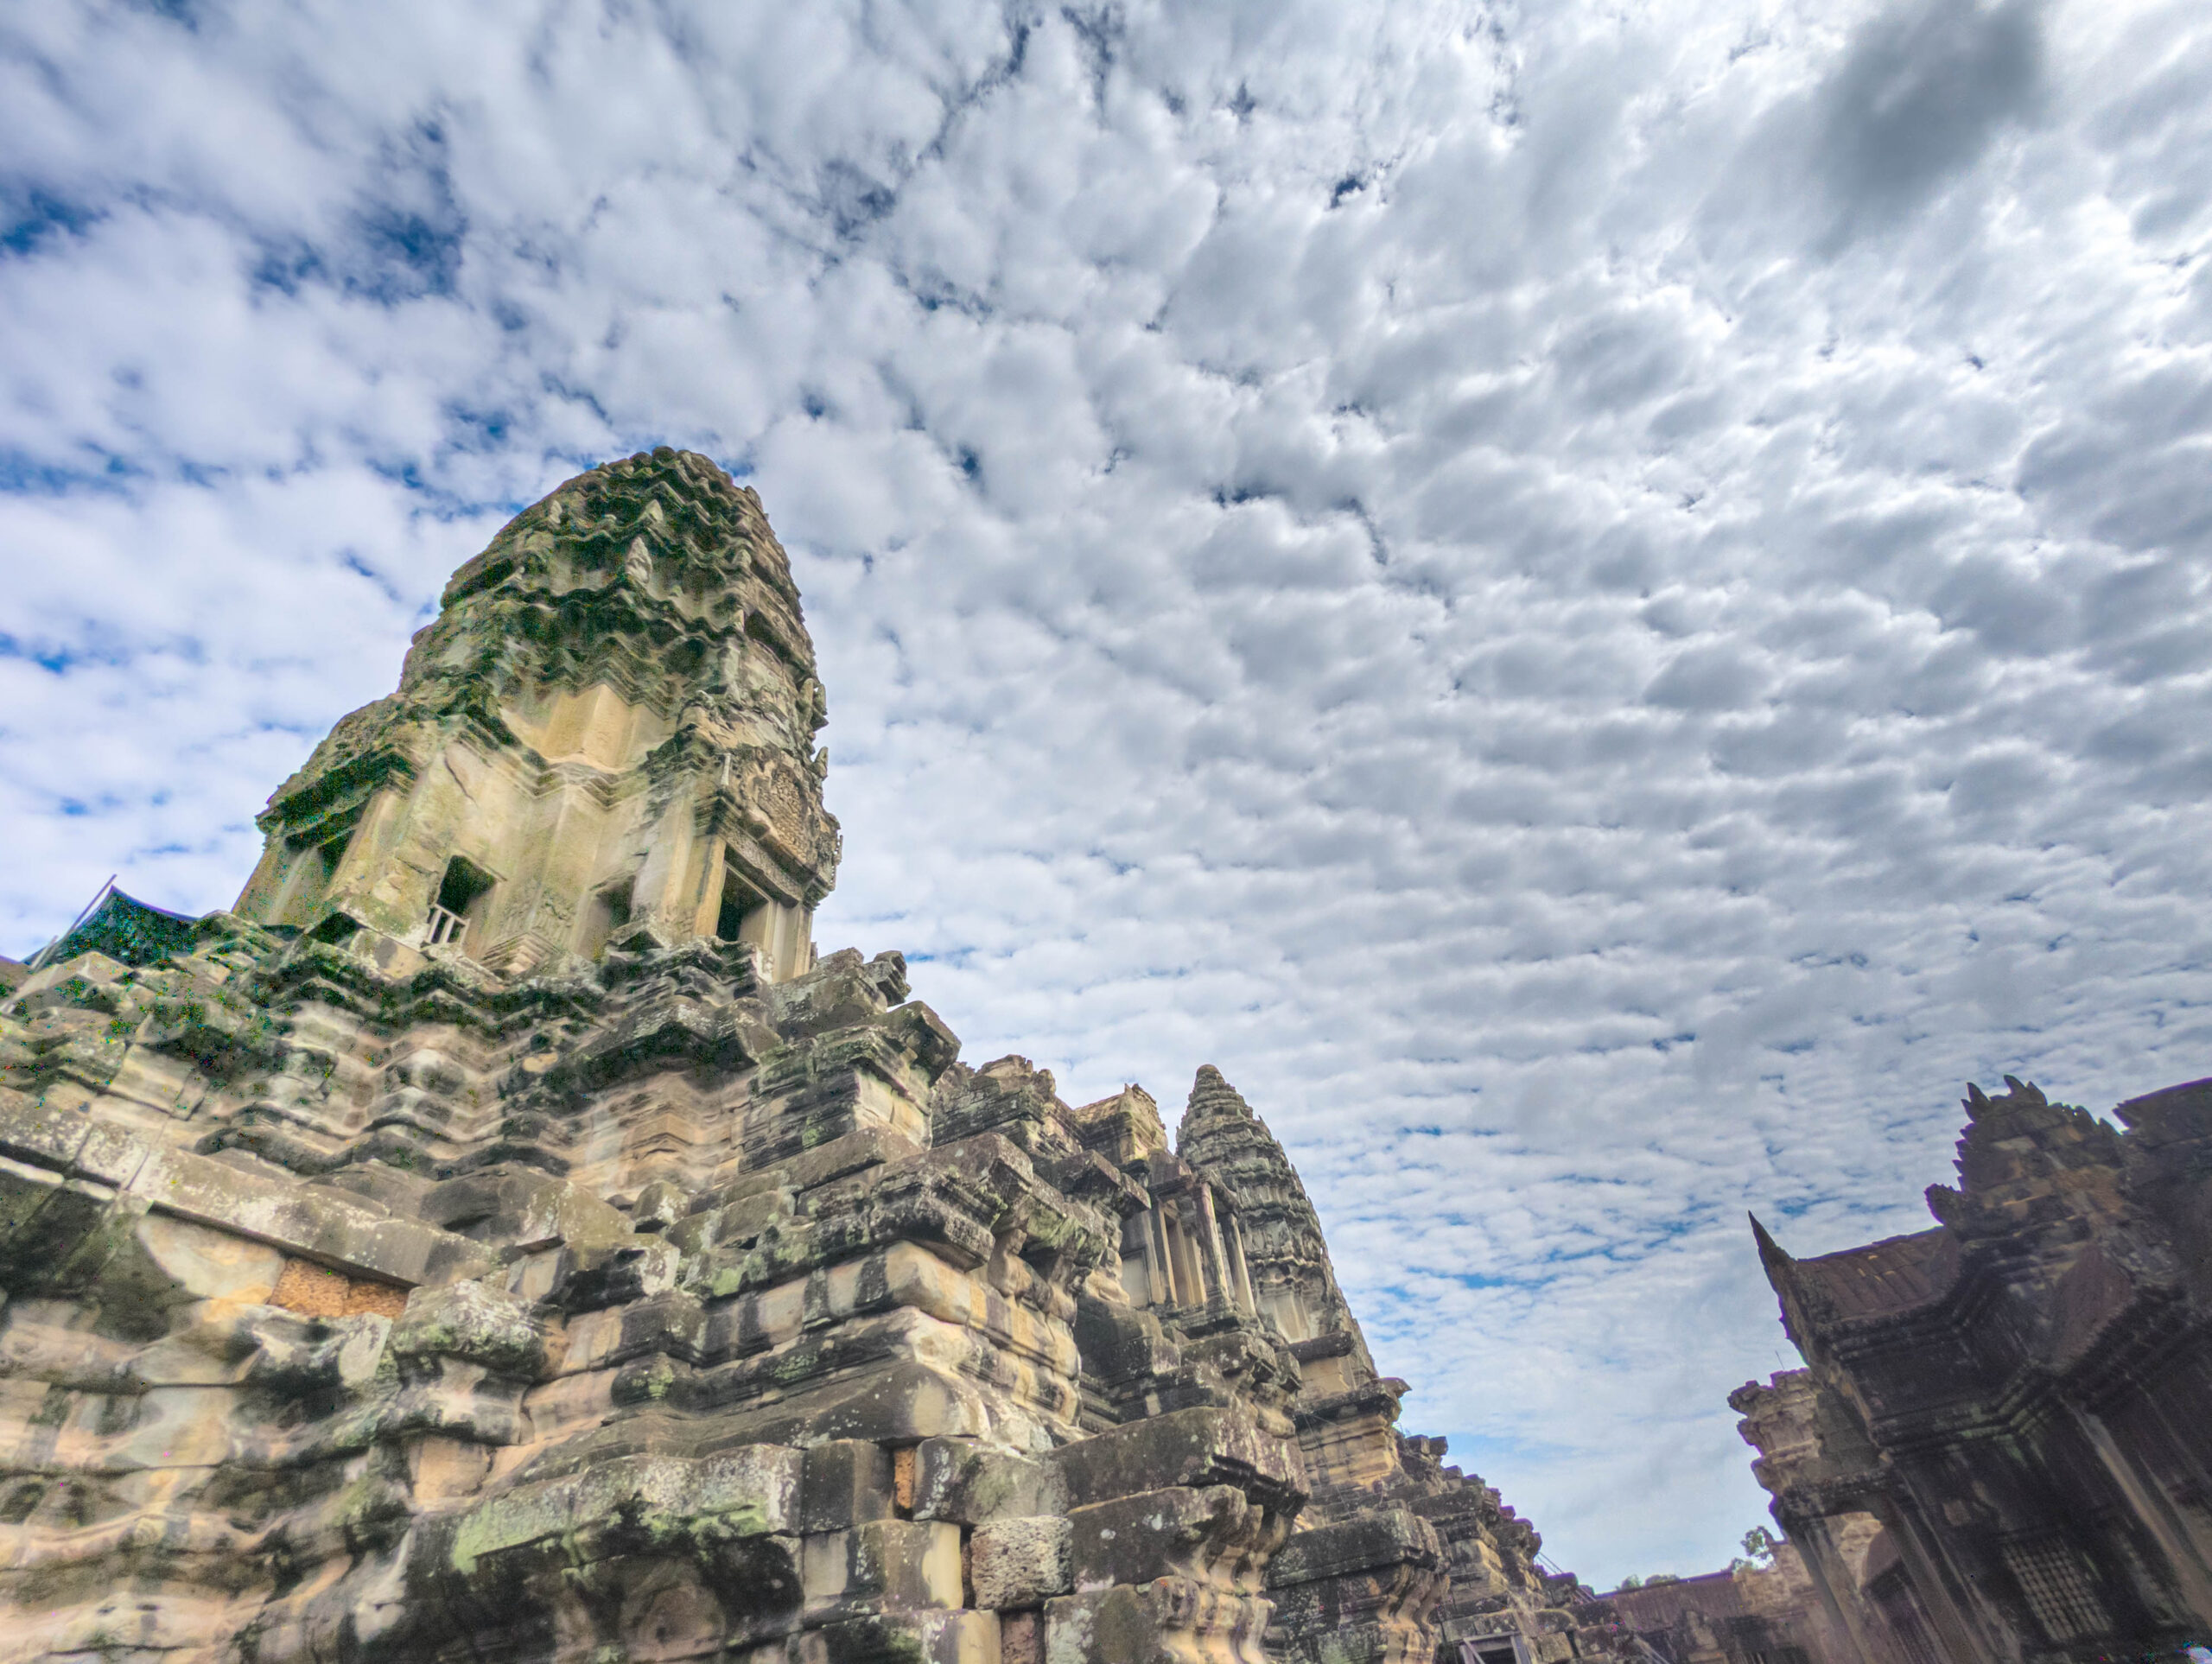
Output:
(900, 1564)
(1171, 1532)
(902, 1638)
(1194, 1447)
(961, 1479)
(906, 1403)
(751, 1491)
(670, 1321)
(1169, 1621)
(342, 1353)
(596, 1277)
(1021, 1562)
(472, 1321)
(522, 1207)
(742, 1222)
(659, 1205)
(210, 1264)
(847, 1482)
(1385, 1537)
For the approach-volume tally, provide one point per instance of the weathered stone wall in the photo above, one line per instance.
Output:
(1768, 1614)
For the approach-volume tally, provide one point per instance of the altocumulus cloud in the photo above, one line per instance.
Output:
(1601, 603)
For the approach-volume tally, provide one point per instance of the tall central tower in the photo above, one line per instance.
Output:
(607, 733)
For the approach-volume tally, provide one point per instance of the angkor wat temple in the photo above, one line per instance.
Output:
(2000, 1449)
(503, 1237)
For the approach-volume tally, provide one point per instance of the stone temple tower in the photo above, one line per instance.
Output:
(607, 733)
(503, 1240)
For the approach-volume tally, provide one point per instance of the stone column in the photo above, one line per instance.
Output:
(1822, 1565)
(2149, 1502)
(1219, 1285)
(706, 915)
(1189, 1275)
(550, 869)
(1941, 1598)
(1240, 1265)
(1163, 1252)
(663, 897)
(1156, 1286)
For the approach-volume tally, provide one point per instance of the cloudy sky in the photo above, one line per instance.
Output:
(1602, 602)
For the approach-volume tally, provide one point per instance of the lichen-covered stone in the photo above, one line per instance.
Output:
(1022, 1561)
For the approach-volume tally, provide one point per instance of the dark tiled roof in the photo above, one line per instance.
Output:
(1889, 1276)
(2169, 1117)
(123, 927)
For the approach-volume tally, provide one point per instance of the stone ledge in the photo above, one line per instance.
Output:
(321, 1227)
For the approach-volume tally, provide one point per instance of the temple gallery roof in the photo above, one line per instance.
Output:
(1895, 1274)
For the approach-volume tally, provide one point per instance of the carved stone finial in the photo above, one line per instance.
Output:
(1212, 1097)
(1945, 1204)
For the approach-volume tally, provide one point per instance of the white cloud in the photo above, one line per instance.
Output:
(1601, 604)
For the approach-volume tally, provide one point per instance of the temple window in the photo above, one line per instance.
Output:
(459, 896)
(2056, 1584)
(744, 916)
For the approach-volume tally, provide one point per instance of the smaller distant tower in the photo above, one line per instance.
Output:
(1292, 1277)
(608, 732)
